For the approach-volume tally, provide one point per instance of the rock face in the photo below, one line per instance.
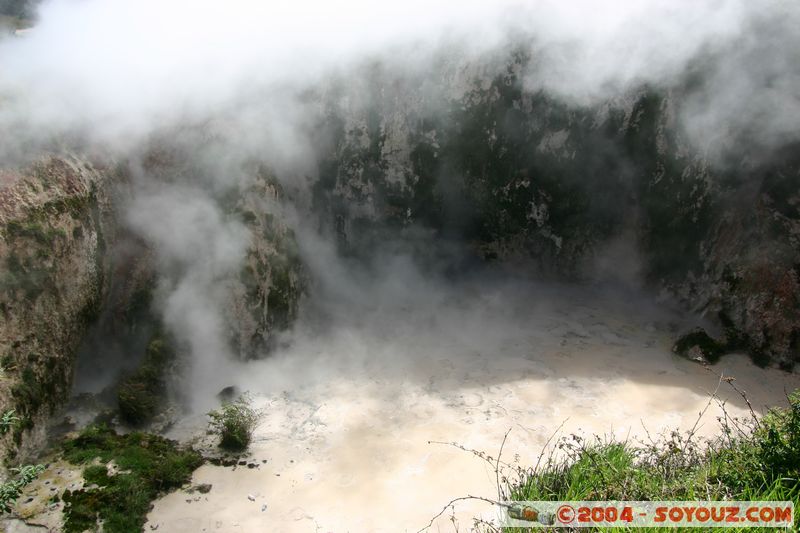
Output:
(264, 299)
(475, 157)
(512, 172)
(56, 227)
(725, 241)
(71, 272)
(261, 298)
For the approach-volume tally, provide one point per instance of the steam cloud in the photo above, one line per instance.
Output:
(116, 72)
(118, 69)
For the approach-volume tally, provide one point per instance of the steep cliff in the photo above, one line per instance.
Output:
(264, 300)
(76, 279)
(56, 225)
(473, 155)
(724, 237)
(261, 295)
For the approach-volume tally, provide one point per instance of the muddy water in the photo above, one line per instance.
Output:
(350, 415)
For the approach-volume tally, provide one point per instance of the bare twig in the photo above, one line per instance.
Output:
(692, 431)
(462, 498)
(497, 465)
(730, 380)
(476, 453)
(547, 444)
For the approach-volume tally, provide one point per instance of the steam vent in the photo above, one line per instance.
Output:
(420, 266)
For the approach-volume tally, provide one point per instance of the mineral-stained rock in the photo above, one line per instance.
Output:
(264, 299)
(477, 157)
(56, 225)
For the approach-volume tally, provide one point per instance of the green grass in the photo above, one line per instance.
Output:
(148, 466)
(233, 423)
(752, 459)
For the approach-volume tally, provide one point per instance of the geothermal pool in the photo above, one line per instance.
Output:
(349, 412)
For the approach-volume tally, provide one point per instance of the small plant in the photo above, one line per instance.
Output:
(10, 490)
(234, 423)
(8, 420)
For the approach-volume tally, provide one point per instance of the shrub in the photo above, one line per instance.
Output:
(234, 423)
(140, 394)
(137, 404)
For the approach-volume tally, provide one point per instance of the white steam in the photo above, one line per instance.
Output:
(197, 251)
(119, 69)
(116, 72)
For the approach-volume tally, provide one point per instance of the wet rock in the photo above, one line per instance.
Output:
(222, 461)
(697, 345)
(228, 394)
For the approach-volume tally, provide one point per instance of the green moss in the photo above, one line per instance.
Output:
(28, 394)
(25, 275)
(97, 474)
(34, 230)
(136, 404)
(151, 465)
(282, 297)
(140, 394)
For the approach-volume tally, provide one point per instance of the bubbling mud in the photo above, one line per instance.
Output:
(353, 416)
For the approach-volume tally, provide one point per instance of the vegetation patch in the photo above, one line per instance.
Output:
(43, 235)
(148, 465)
(11, 488)
(752, 459)
(141, 393)
(234, 423)
(27, 275)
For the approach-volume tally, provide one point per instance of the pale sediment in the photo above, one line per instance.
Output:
(348, 446)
